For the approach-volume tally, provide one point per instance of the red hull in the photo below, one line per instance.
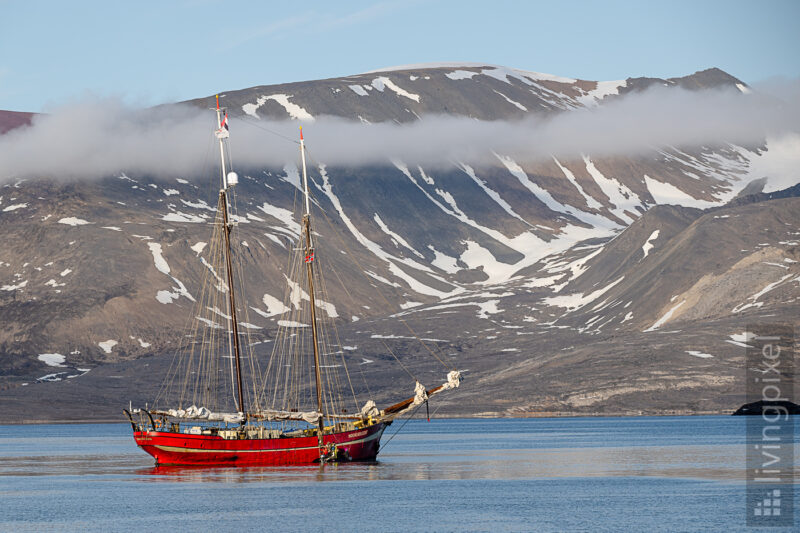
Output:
(185, 449)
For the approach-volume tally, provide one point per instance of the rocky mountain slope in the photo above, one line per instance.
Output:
(10, 120)
(582, 285)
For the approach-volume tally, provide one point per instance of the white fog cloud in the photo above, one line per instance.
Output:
(103, 137)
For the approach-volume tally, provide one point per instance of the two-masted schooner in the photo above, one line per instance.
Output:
(286, 413)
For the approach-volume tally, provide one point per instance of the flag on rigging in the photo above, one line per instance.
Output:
(223, 132)
(310, 257)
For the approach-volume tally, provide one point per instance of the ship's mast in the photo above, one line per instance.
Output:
(233, 327)
(309, 259)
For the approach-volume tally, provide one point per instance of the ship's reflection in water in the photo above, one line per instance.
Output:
(695, 462)
(710, 448)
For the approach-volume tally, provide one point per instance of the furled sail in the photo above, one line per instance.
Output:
(202, 413)
(421, 395)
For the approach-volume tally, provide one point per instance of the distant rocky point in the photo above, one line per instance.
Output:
(766, 406)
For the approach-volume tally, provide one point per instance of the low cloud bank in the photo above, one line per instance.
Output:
(103, 137)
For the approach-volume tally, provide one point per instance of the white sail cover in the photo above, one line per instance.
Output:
(420, 395)
(312, 417)
(202, 413)
(369, 409)
(453, 380)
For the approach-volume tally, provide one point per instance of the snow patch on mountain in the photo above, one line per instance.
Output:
(666, 193)
(73, 221)
(358, 89)
(108, 345)
(158, 258)
(573, 302)
(328, 307)
(273, 305)
(469, 171)
(484, 308)
(699, 354)
(443, 261)
(52, 359)
(18, 286)
(283, 215)
(199, 204)
(779, 162)
(754, 298)
(296, 292)
(397, 239)
(391, 260)
(602, 225)
(293, 110)
(142, 343)
(527, 77)
(512, 102)
(477, 257)
(207, 322)
(182, 217)
(603, 89)
(590, 201)
(647, 246)
(382, 82)
(741, 339)
(292, 176)
(621, 197)
(166, 297)
(461, 75)
(665, 317)
(291, 324)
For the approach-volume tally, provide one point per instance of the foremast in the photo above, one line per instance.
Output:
(309, 260)
(228, 181)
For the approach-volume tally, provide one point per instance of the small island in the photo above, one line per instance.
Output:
(757, 408)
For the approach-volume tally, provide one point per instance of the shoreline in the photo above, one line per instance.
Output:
(478, 416)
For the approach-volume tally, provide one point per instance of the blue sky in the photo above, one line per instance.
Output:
(52, 53)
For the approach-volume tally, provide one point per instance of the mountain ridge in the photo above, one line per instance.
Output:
(508, 265)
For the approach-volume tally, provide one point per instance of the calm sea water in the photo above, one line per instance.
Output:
(576, 474)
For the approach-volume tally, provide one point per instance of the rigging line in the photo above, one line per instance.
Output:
(238, 265)
(182, 351)
(255, 125)
(379, 291)
(341, 281)
(189, 360)
(294, 374)
(398, 360)
(387, 301)
(328, 324)
(385, 444)
(364, 379)
(437, 408)
(339, 341)
(209, 300)
(281, 333)
(336, 330)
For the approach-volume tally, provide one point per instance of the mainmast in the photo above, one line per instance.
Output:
(229, 180)
(309, 259)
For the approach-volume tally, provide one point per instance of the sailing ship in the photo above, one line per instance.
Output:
(202, 418)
